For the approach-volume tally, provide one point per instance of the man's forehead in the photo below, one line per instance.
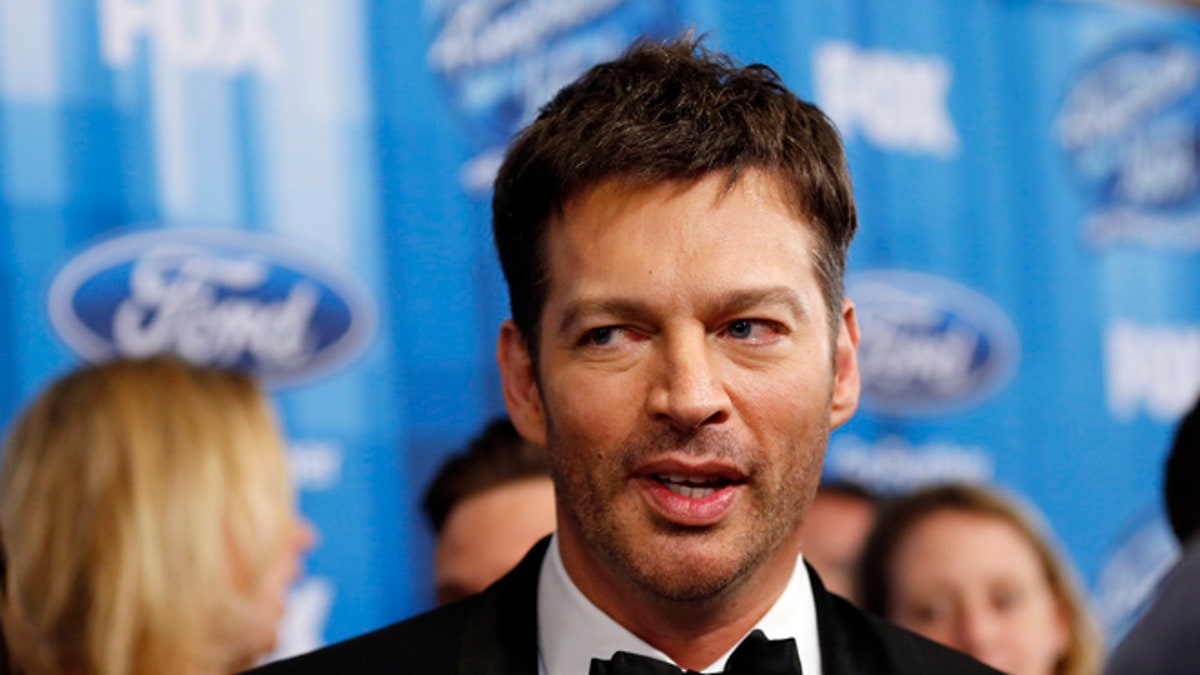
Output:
(610, 256)
(765, 183)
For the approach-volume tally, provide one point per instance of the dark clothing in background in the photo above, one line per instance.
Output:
(1166, 639)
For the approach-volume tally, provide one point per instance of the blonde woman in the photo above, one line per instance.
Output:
(969, 567)
(147, 518)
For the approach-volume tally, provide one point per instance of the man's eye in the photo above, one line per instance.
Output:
(741, 329)
(754, 330)
(599, 336)
(930, 613)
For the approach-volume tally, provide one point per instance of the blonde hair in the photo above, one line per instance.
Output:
(141, 503)
(873, 583)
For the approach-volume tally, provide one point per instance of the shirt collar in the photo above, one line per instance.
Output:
(572, 631)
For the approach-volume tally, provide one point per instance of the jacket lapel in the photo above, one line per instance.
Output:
(500, 637)
(848, 641)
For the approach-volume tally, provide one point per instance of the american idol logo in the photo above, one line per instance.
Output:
(1130, 127)
(499, 61)
(219, 297)
(929, 345)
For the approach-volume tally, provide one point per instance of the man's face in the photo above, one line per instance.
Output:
(487, 534)
(837, 527)
(686, 384)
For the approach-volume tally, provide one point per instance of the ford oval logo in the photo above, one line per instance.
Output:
(217, 297)
(929, 345)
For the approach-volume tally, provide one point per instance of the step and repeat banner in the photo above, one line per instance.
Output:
(301, 187)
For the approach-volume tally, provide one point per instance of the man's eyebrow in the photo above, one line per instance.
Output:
(737, 301)
(726, 304)
(616, 307)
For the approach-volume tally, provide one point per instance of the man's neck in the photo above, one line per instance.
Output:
(694, 634)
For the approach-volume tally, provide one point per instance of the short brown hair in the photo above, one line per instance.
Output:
(1181, 478)
(497, 456)
(660, 112)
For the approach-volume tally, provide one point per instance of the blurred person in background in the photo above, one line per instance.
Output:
(968, 567)
(148, 522)
(1166, 639)
(488, 506)
(837, 526)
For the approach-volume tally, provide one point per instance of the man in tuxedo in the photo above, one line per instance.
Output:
(673, 229)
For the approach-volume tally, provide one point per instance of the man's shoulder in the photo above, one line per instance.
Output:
(872, 645)
(426, 643)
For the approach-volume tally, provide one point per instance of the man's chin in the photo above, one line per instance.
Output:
(682, 572)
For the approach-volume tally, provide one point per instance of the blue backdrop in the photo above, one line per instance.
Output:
(302, 186)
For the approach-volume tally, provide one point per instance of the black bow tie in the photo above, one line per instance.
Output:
(755, 656)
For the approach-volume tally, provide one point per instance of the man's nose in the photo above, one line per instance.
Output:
(688, 391)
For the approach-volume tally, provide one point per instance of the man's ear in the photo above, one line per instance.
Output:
(521, 394)
(846, 384)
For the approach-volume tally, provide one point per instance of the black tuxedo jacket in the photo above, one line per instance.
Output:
(495, 633)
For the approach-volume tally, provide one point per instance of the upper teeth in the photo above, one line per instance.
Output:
(688, 486)
(688, 491)
(681, 478)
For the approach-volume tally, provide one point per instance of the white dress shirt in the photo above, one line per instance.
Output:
(572, 631)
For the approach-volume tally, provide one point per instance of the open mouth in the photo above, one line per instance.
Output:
(692, 487)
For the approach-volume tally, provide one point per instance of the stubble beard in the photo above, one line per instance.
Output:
(663, 561)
